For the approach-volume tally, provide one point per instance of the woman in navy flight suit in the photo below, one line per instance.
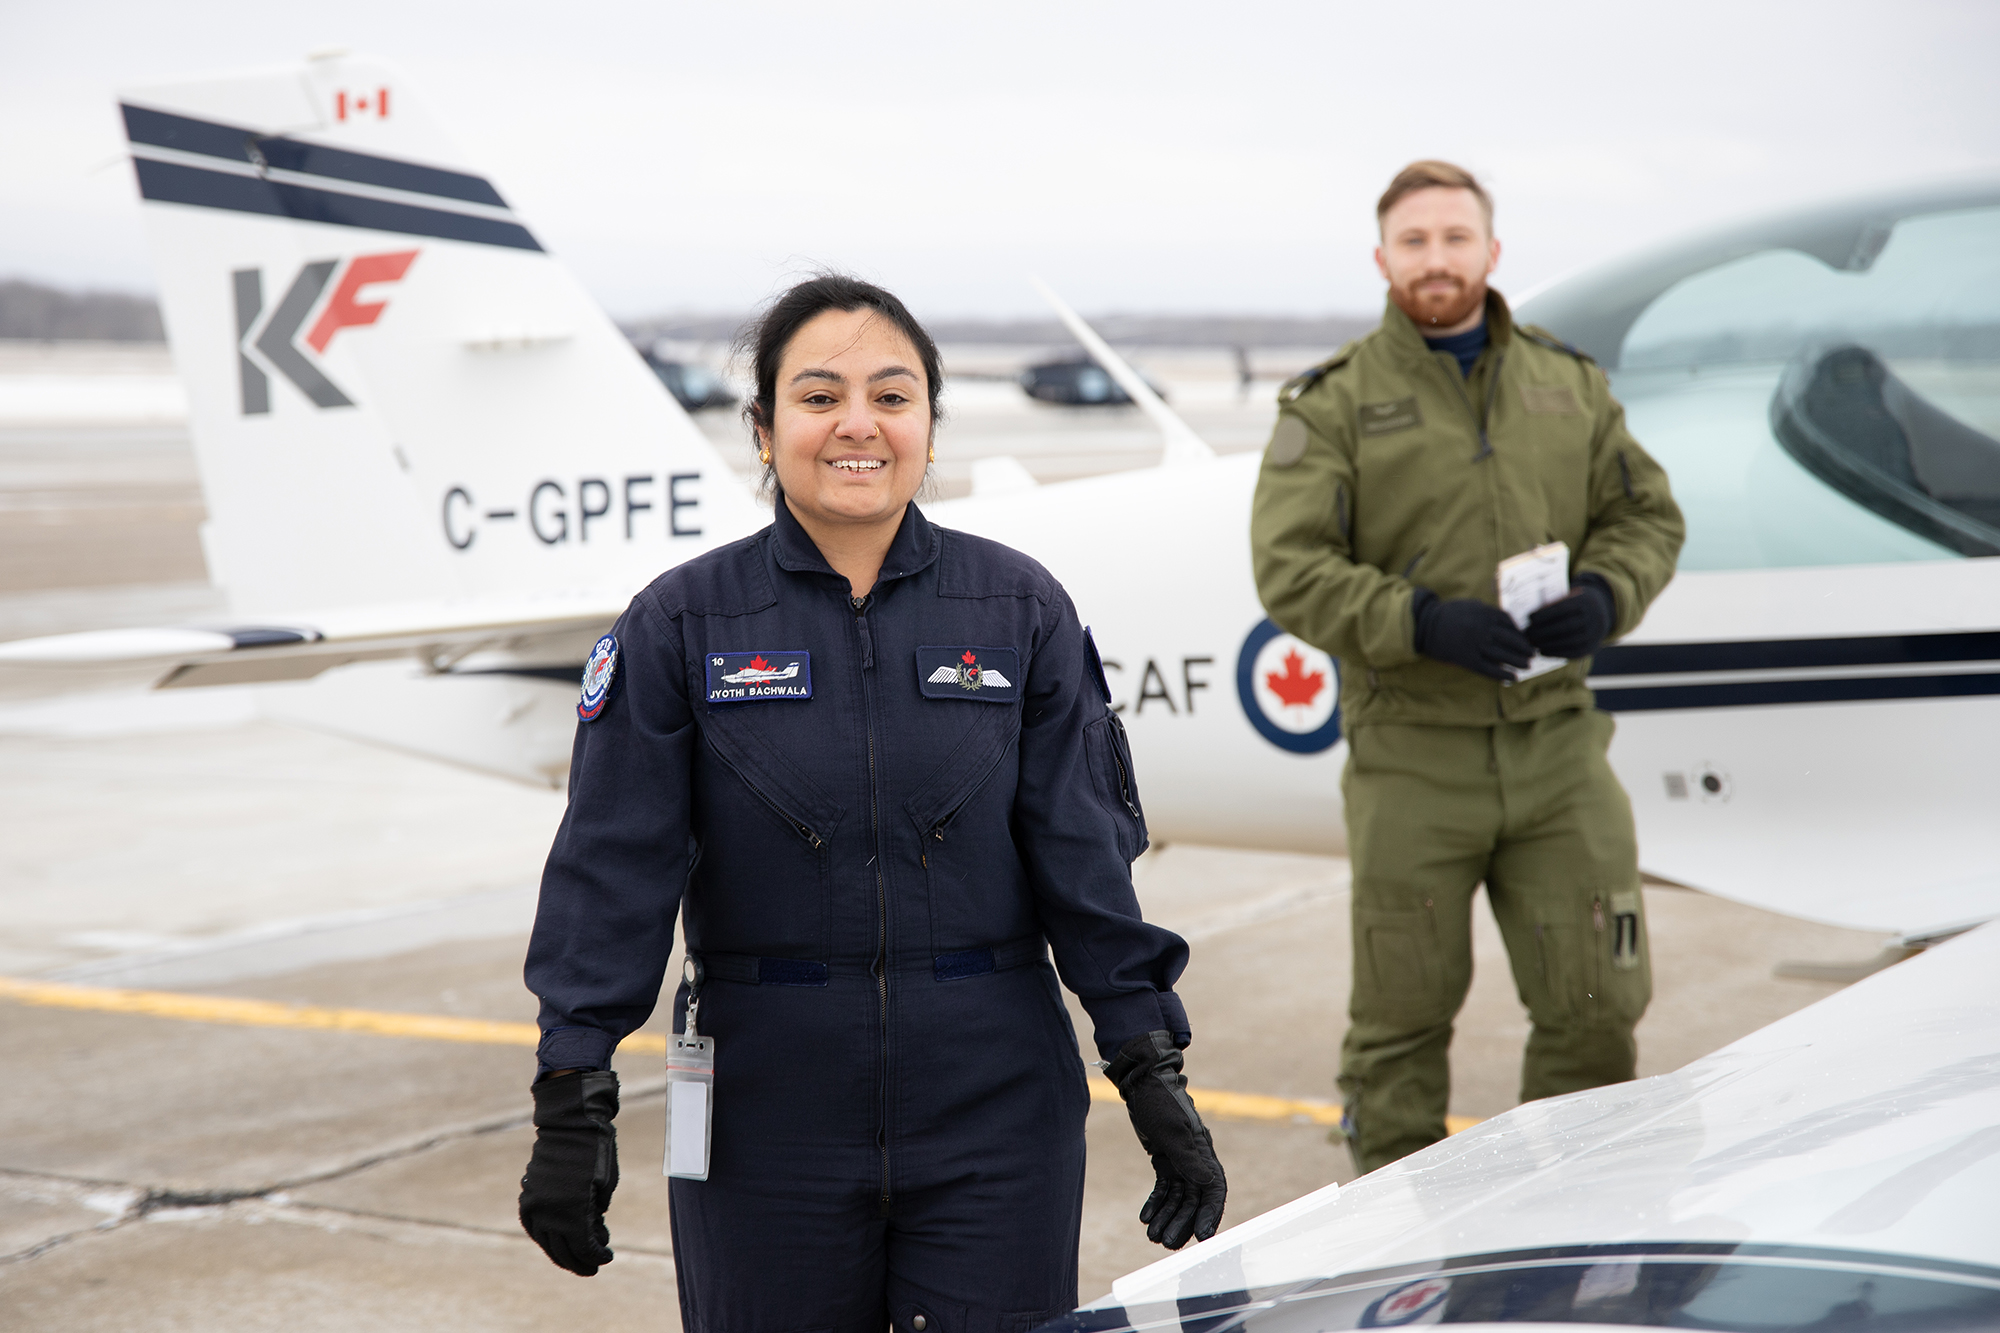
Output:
(872, 761)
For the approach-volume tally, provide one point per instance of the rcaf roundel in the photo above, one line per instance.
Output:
(1289, 690)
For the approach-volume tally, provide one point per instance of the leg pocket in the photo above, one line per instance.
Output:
(1398, 971)
(1560, 984)
(1590, 965)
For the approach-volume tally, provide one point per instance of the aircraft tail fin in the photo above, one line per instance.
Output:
(395, 392)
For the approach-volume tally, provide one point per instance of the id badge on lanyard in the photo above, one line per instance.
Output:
(690, 1091)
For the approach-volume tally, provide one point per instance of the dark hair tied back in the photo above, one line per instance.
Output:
(764, 341)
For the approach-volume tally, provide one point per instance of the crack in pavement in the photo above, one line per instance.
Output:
(508, 1233)
(146, 1200)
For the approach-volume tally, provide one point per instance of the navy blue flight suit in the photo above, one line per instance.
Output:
(868, 875)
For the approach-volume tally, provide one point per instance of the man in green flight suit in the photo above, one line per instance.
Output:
(1401, 473)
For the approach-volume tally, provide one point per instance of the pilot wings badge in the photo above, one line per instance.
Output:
(956, 672)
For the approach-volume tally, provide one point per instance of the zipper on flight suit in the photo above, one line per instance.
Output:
(1124, 775)
(972, 788)
(1492, 389)
(859, 605)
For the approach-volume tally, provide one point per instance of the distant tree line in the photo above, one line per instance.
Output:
(30, 310)
(1127, 329)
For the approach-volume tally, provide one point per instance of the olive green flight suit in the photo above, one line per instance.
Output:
(1390, 470)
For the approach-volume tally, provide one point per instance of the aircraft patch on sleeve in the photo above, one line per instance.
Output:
(597, 674)
(989, 675)
(750, 676)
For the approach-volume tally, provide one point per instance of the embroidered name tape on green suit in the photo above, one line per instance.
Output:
(1384, 418)
(748, 677)
(988, 675)
(1550, 400)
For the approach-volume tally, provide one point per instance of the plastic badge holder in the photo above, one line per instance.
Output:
(690, 1106)
(690, 1091)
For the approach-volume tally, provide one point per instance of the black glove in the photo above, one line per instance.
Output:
(1575, 626)
(1188, 1186)
(573, 1170)
(1468, 633)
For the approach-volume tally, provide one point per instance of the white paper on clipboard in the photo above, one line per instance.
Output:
(1528, 582)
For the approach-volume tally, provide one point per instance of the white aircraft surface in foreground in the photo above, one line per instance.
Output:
(1838, 1170)
(419, 439)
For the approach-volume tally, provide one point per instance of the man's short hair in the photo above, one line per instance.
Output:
(1429, 174)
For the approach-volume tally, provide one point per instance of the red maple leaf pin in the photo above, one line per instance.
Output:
(967, 657)
(1295, 687)
(758, 663)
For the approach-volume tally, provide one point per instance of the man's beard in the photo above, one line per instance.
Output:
(1439, 309)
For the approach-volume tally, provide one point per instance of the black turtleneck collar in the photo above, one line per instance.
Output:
(914, 548)
(1465, 346)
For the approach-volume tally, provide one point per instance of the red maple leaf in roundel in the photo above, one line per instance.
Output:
(758, 663)
(967, 657)
(1295, 686)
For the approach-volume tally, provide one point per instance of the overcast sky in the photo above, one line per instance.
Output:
(1142, 157)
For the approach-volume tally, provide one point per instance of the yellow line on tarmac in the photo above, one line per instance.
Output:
(266, 1014)
(440, 1027)
(1257, 1106)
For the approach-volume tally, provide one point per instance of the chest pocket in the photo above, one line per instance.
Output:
(963, 811)
(763, 883)
(809, 812)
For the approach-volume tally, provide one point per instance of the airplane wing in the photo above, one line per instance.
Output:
(1838, 1168)
(439, 635)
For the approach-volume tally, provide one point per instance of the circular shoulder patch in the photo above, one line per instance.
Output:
(1288, 443)
(597, 673)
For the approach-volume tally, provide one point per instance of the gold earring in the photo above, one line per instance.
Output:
(764, 455)
(933, 453)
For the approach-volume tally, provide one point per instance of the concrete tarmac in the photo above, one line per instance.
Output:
(159, 1173)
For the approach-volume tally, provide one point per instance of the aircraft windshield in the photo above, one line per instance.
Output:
(1764, 381)
(1746, 1289)
(1932, 293)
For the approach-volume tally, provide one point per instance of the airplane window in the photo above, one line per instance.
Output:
(1933, 292)
(1881, 382)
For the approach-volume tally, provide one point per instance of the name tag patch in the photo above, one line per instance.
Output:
(746, 677)
(989, 675)
(1387, 418)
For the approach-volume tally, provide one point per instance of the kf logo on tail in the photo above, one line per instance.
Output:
(276, 339)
